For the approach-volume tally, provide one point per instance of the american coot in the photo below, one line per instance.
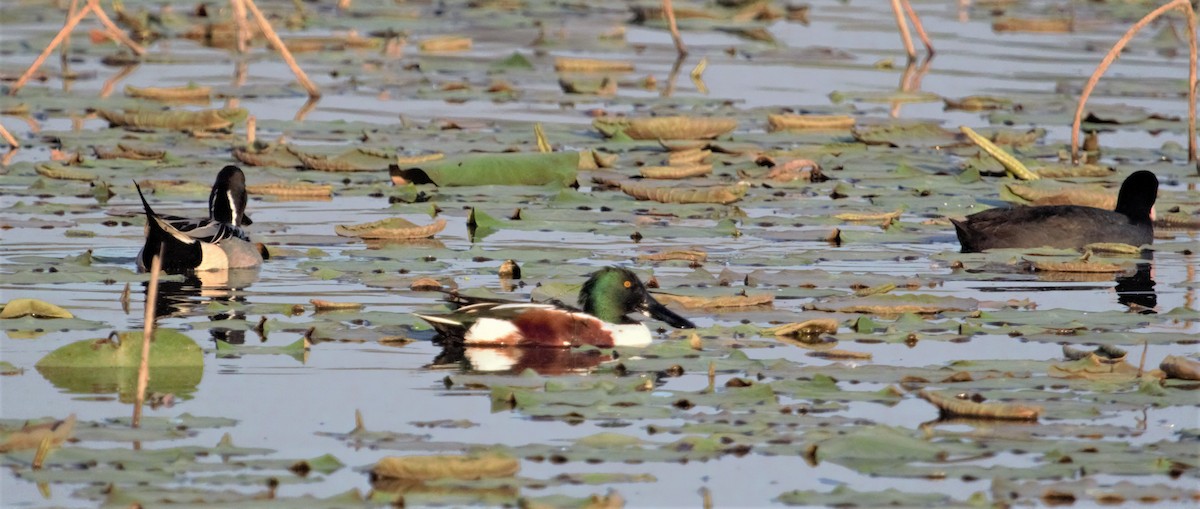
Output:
(217, 242)
(1066, 226)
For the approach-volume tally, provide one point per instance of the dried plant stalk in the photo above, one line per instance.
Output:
(279, 46)
(1010, 163)
(143, 378)
(669, 12)
(114, 30)
(905, 36)
(917, 26)
(1190, 16)
(8, 137)
(70, 25)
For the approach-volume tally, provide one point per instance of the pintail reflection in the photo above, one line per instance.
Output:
(193, 295)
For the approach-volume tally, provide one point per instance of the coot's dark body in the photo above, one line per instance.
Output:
(1066, 226)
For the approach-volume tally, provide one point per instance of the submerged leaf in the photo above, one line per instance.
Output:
(17, 308)
(954, 407)
(169, 348)
(203, 120)
(32, 436)
(390, 228)
(427, 468)
(60, 172)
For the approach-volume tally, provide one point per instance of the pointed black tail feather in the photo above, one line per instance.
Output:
(180, 253)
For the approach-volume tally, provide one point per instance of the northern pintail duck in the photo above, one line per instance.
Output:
(604, 301)
(215, 243)
(1066, 226)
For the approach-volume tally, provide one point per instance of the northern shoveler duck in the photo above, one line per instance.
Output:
(1066, 226)
(215, 243)
(604, 301)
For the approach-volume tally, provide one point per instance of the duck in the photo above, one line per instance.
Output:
(217, 242)
(1066, 226)
(608, 296)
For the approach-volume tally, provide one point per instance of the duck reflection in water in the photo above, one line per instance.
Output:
(1136, 291)
(192, 296)
(543, 361)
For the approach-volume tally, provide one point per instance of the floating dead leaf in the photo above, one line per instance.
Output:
(1113, 247)
(17, 308)
(886, 217)
(202, 120)
(1060, 171)
(591, 65)
(688, 157)
(978, 103)
(1039, 25)
(729, 301)
(675, 172)
(666, 128)
(60, 172)
(954, 407)
(308, 44)
(691, 256)
(393, 228)
(806, 328)
(275, 156)
(790, 122)
(324, 305)
(189, 93)
(425, 284)
(445, 43)
(292, 189)
(1096, 366)
(350, 160)
(1180, 367)
(1100, 199)
(837, 354)
(32, 436)
(606, 87)
(428, 468)
(670, 194)
(795, 169)
(1080, 266)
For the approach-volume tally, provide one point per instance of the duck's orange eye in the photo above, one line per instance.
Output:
(629, 284)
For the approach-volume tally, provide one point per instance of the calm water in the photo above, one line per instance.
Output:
(281, 402)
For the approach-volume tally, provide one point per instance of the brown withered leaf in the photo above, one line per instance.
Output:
(427, 468)
(32, 436)
(393, 228)
(954, 407)
(789, 122)
(670, 194)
